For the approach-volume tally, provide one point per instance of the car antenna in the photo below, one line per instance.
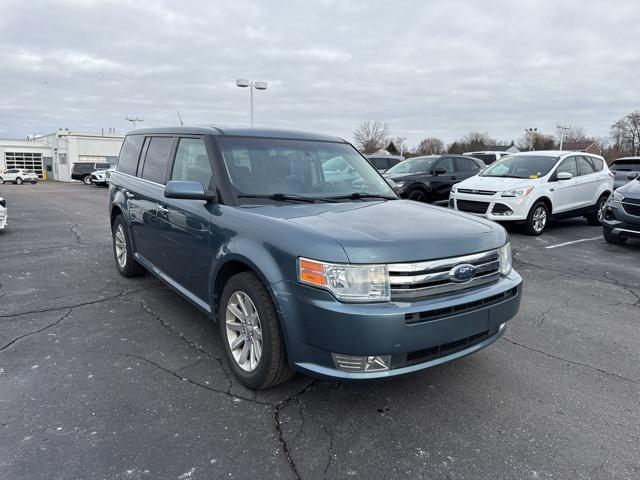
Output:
(180, 118)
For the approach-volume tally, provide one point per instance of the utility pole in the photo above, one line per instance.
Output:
(133, 119)
(562, 132)
(243, 83)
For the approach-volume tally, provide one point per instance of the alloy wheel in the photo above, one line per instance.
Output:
(601, 209)
(539, 218)
(121, 247)
(87, 180)
(244, 331)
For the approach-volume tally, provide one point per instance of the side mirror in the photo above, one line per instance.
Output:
(439, 171)
(564, 176)
(632, 175)
(186, 191)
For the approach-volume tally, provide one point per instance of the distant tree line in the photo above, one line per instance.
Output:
(623, 140)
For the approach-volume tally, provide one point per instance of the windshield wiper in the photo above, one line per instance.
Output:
(359, 195)
(283, 197)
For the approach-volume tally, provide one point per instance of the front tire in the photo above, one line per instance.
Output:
(537, 219)
(596, 218)
(417, 195)
(122, 250)
(251, 334)
(86, 180)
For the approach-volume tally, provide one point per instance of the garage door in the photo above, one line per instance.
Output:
(24, 160)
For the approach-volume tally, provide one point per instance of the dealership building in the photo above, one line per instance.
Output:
(52, 156)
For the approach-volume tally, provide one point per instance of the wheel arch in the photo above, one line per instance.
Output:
(547, 201)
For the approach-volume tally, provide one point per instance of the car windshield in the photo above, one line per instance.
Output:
(520, 166)
(413, 165)
(299, 168)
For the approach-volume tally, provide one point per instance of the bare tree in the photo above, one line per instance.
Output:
(371, 136)
(471, 141)
(625, 134)
(575, 134)
(536, 140)
(430, 146)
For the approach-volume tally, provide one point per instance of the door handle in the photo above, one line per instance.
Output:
(162, 209)
(128, 194)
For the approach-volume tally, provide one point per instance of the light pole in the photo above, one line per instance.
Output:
(241, 82)
(133, 119)
(562, 132)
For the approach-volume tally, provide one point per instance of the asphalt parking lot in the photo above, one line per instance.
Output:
(105, 377)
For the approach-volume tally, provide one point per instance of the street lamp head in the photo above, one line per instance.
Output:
(260, 85)
(241, 82)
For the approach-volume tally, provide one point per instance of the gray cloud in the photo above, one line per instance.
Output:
(427, 68)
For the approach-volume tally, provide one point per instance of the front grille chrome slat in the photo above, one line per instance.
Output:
(425, 279)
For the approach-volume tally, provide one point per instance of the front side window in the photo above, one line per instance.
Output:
(447, 165)
(521, 166)
(260, 166)
(192, 163)
(155, 163)
(129, 154)
(568, 165)
(585, 167)
(413, 165)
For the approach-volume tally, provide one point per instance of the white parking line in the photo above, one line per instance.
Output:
(575, 241)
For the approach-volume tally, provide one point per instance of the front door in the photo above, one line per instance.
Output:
(565, 192)
(442, 183)
(186, 240)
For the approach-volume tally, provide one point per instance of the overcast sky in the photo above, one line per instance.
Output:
(427, 68)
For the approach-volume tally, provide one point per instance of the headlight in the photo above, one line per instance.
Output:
(350, 283)
(616, 197)
(518, 192)
(504, 254)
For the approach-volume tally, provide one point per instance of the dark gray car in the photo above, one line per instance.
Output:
(303, 269)
(622, 211)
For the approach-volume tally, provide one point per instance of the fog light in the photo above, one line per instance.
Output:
(354, 363)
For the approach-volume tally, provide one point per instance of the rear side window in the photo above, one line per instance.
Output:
(380, 163)
(585, 167)
(102, 165)
(446, 164)
(129, 154)
(157, 159)
(466, 165)
(192, 163)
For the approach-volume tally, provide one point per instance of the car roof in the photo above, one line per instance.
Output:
(238, 132)
(552, 153)
(487, 152)
(627, 158)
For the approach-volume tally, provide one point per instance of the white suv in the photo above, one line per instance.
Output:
(19, 176)
(531, 187)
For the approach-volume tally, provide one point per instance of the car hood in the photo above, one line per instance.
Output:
(631, 189)
(394, 231)
(498, 184)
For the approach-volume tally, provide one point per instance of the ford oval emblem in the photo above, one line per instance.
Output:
(462, 273)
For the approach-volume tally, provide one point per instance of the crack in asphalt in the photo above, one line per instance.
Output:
(6, 346)
(543, 315)
(572, 362)
(191, 343)
(277, 407)
(123, 293)
(628, 288)
(73, 229)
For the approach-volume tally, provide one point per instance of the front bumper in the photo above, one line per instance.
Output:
(499, 209)
(618, 222)
(316, 326)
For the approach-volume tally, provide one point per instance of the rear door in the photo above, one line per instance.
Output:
(149, 229)
(186, 238)
(565, 192)
(465, 168)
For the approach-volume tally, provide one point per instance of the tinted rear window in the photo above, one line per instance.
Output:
(157, 159)
(129, 154)
(626, 165)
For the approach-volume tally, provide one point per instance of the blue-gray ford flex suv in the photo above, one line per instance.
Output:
(305, 255)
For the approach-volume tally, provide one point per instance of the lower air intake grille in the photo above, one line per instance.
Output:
(421, 356)
(472, 207)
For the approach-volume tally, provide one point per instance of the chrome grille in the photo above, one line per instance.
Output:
(476, 192)
(429, 278)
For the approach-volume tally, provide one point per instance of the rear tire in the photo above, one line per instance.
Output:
(537, 219)
(596, 218)
(86, 180)
(34, 182)
(123, 251)
(18, 181)
(238, 331)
